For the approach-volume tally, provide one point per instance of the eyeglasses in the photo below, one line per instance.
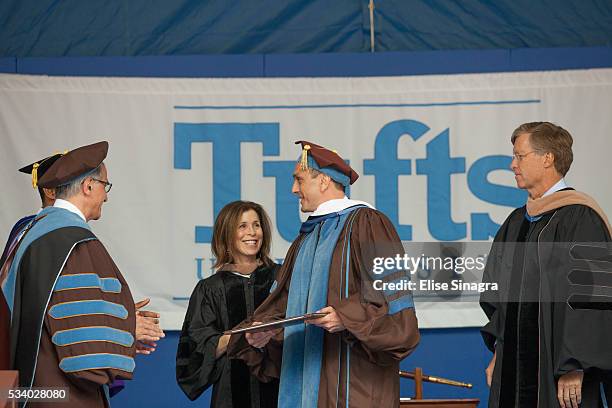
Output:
(520, 157)
(107, 185)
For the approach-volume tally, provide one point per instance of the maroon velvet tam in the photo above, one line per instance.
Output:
(328, 162)
(74, 164)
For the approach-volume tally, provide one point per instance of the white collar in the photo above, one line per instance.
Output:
(559, 185)
(336, 205)
(67, 205)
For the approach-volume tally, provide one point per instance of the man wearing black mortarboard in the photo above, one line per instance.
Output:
(47, 197)
(72, 313)
(550, 324)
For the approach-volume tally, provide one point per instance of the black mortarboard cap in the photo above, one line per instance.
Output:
(39, 168)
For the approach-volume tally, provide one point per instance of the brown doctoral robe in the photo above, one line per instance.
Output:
(378, 341)
(73, 317)
(85, 386)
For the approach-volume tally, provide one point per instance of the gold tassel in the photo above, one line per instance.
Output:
(35, 175)
(304, 161)
(35, 169)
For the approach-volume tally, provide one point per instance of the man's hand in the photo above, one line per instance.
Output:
(490, 368)
(332, 322)
(569, 389)
(147, 328)
(260, 339)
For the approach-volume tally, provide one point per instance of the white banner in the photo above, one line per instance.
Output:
(432, 151)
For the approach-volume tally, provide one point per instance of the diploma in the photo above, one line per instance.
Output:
(276, 324)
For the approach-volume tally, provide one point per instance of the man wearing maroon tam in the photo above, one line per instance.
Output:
(350, 357)
(76, 327)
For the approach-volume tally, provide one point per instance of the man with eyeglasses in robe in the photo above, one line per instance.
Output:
(549, 331)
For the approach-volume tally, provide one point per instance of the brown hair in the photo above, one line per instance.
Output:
(547, 137)
(314, 173)
(226, 225)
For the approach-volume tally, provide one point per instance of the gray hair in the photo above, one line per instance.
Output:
(71, 189)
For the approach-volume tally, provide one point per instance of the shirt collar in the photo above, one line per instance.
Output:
(336, 205)
(67, 205)
(559, 185)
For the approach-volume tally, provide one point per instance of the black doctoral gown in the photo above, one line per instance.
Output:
(219, 303)
(537, 325)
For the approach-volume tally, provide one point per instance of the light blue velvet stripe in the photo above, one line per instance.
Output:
(87, 307)
(348, 264)
(85, 334)
(274, 286)
(87, 280)
(291, 379)
(303, 344)
(55, 218)
(346, 259)
(401, 303)
(97, 361)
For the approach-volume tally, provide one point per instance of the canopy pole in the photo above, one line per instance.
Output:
(371, 7)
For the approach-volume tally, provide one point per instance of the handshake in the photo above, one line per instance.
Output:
(147, 328)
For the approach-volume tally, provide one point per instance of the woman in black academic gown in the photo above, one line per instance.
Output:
(245, 273)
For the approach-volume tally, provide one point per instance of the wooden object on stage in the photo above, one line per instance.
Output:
(439, 403)
(418, 400)
(418, 383)
(419, 377)
(8, 379)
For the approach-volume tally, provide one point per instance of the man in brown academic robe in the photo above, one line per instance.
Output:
(73, 316)
(366, 333)
(147, 322)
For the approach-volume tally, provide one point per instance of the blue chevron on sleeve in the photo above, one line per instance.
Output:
(87, 307)
(97, 361)
(89, 334)
(87, 281)
(401, 303)
(399, 278)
